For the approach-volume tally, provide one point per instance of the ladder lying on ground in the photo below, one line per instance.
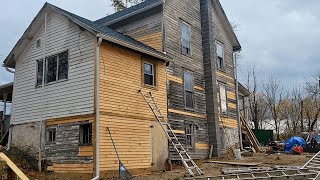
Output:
(252, 138)
(297, 174)
(189, 164)
(314, 165)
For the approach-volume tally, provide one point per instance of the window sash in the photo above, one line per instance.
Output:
(220, 55)
(51, 135)
(188, 89)
(185, 37)
(56, 68)
(223, 99)
(85, 134)
(189, 134)
(149, 78)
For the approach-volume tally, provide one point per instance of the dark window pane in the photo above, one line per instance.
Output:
(189, 99)
(86, 134)
(148, 79)
(220, 63)
(185, 38)
(63, 65)
(39, 72)
(51, 69)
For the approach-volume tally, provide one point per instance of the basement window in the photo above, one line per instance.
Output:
(185, 38)
(51, 135)
(223, 99)
(85, 134)
(189, 134)
(188, 90)
(220, 54)
(149, 75)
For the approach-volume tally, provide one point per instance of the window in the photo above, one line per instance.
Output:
(51, 135)
(189, 134)
(39, 72)
(185, 38)
(38, 43)
(188, 89)
(220, 53)
(223, 99)
(85, 134)
(148, 71)
(56, 68)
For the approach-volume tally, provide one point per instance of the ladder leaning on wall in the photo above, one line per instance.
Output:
(187, 161)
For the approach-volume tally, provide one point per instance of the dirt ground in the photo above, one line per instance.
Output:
(212, 169)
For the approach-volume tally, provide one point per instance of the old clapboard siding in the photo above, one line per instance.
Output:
(146, 27)
(174, 13)
(66, 152)
(227, 76)
(124, 110)
(70, 97)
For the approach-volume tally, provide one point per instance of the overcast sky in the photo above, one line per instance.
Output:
(279, 37)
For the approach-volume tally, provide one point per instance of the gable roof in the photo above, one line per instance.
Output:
(96, 28)
(120, 15)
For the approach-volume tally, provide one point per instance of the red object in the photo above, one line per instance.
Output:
(297, 149)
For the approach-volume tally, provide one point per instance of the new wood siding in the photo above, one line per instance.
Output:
(71, 97)
(125, 112)
(227, 76)
(189, 12)
(146, 28)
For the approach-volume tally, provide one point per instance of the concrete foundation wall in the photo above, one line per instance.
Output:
(26, 137)
(159, 147)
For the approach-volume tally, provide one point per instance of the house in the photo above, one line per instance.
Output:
(75, 77)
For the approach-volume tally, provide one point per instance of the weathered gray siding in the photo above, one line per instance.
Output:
(188, 11)
(74, 96)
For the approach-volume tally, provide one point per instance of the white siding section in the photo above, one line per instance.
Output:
(71, 97)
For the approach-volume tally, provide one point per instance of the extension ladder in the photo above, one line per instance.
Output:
(188, 163)
(252, 138)
(314, 165)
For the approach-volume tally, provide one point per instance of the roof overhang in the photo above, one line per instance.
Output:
(159, 55)
(38, 22)
(226, 24)
(242, 90)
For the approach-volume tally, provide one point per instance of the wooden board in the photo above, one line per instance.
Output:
(13, 167)
(235, 163)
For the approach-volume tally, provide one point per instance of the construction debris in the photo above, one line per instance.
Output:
(256, 169)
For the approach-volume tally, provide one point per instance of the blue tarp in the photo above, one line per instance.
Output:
(291, 142)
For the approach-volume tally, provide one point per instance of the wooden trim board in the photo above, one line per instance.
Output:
(13, 167)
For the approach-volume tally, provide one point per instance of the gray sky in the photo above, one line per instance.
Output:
(279, 37)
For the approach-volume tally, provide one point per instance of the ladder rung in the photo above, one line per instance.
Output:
(183, 152)
(160, 116)
(165, 123)
(187, 160)
(192, 167)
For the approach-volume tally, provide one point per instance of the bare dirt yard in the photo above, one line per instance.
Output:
(213, 169)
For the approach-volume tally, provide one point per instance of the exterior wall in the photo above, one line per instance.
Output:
(226, 77)
(66, 154)
(174, 12)
(146, 28)
(124, 111)
(71, 97)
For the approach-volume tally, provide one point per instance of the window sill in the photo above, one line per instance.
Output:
(50, 143)
(51, 83)
(187, 55)
(189, 109)
(221, 70)
(150, 87)
(85, 145)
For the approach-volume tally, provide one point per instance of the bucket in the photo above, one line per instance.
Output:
(237, 154)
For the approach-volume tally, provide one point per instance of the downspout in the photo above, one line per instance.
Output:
(237, 97)
(42, 90)
(97, 82)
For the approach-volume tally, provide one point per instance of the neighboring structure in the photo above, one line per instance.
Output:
(92, 74)
(6, 99)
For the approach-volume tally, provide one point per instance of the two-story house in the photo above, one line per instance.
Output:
(75, 77)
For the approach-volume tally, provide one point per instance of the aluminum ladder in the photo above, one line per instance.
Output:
(314, 165)
(187, 161)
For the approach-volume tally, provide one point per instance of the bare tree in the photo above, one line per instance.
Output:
(311, 104)
(274, 96)
(123, 4)
(293, 110)
(257, 101)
